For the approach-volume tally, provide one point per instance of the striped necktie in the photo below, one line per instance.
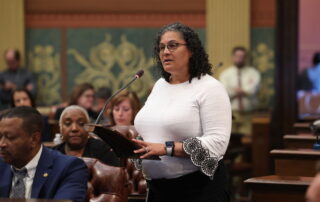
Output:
(19, 188)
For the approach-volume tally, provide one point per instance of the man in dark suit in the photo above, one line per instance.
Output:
(29, 170)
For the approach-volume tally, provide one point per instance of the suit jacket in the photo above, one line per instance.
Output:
(57, 177)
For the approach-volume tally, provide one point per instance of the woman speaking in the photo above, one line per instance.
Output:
(186, 120)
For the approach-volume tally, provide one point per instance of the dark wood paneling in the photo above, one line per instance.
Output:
(260, 146)
(299, 141)
(298, 162)
(285, 110)
(263, 13)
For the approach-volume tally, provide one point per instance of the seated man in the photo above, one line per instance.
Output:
(77, 141)
(14, 77)
(29, 170)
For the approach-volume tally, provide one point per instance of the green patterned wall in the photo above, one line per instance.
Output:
(102, 57)
(109, 57)
(43, 58)
(263, 52)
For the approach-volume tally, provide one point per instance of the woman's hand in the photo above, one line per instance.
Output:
(149, 149)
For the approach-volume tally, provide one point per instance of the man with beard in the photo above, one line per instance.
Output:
(242, 83)
(77, 141)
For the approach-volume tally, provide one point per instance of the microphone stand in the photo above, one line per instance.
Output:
(315, 130)
(138, 75)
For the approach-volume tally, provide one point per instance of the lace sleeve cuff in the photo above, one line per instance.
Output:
(200, 156)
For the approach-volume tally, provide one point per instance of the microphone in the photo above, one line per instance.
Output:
(138, 75)
(218, 66)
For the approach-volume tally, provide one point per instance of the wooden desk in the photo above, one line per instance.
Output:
(299, 141)
(302, 127)
(299, 162)
(261, 145)
(278, 188)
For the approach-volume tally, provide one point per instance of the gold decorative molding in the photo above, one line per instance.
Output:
(44, 61)
(102, 58)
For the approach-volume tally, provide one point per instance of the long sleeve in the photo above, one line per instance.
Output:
(215, 114)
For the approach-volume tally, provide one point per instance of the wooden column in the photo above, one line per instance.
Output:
(228, 25)
(12, 27)
(285, 110)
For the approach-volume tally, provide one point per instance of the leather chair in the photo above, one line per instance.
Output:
(137, 183)
(106, 183)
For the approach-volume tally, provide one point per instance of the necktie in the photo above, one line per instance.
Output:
(240, 86)
(19, 188)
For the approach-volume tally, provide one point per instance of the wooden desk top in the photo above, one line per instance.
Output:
(300, 137)
(280, 180)
(305, 125)
(295, 152)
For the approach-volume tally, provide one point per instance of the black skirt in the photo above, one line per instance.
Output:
(194, 187)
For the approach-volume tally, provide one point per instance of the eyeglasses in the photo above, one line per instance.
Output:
(171, 46)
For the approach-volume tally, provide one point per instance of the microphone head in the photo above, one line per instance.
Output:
(315, 126)
(139, 73)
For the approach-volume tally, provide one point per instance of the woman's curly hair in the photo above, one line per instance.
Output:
(198, 62)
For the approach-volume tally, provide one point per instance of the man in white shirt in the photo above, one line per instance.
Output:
(242, 83)
(29, 170)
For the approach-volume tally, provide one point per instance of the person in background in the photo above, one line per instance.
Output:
(30, 170)
(101, 96)
(77, 141)
(82, 95)
(309, 78)
(14, 77)
(242, 83)
(123, 108)
(22, 97)
(186, 120)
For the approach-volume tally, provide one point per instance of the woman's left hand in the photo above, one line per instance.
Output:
(150, 149)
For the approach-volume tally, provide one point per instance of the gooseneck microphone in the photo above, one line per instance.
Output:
(136, 76)
(315, 128)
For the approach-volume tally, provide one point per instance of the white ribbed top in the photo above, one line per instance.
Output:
(175, 112)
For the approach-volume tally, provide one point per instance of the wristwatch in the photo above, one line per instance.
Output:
(169, 148)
